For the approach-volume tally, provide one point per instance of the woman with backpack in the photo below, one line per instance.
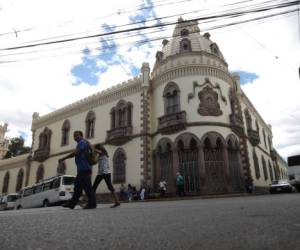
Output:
(104, 173)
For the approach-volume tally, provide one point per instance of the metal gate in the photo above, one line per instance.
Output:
(188, 167)
(214, 167)
(234, 168)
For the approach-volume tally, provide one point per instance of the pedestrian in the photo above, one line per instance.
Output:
(104, 173)
(142, 194)
(84, 172)
(179, 184)
(129, 192)
(162, 187)
(123, 195)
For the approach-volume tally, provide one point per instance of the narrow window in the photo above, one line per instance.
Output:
(65, 133)
(90, 124)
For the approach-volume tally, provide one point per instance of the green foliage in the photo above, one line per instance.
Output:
(16, 147)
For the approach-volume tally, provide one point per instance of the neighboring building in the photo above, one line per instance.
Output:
(3, 142)
(13, 173)
(189, 115)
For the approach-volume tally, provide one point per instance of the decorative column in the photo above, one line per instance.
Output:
(226, 168)
(201, 165)
(145, 126)
(175, 166)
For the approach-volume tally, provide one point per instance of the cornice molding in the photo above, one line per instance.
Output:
(189, 68)
(115, 93)
(14, 162)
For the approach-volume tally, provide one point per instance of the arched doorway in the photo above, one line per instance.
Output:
(213, 150)
(234, 163)
(188, 164)
(164, 162)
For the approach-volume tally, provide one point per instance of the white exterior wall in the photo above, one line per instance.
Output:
(185, 85)
(102, 124)
(261, 149)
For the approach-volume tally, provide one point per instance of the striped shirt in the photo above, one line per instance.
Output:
(103, 166)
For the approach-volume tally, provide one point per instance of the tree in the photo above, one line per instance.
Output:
(16, 147)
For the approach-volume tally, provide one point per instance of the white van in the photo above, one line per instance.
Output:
(52, 191)
(8, 201)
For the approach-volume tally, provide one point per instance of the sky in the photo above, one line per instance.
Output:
(45, 77)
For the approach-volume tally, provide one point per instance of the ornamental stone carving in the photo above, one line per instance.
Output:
(209, 105)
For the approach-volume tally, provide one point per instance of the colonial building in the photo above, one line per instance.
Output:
(188, 114)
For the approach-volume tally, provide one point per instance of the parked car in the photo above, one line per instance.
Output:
(281, 186)
(8, 201)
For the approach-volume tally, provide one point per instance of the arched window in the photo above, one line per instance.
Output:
(90, 121)
(40, 173)
(248, 119)
(119, 166)
(159, 56)
(185, 45)
(5, 183)
(129, 114)
(113, 118)
(184, 32)
(270, 143)
(171, 97)
(61, 168)
(264, 136)
(256, 165)
(257, 128)
(214, 48)
(271, 172)
(121, 115)
(45, 139)
(264, 168)
(20, 178)
(65, 130)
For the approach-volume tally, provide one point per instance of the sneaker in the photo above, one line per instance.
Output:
(115, 205)
(68, 205)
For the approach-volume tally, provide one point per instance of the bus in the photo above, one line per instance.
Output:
(51, 191)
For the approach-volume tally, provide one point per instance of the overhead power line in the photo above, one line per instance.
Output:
(238, 13)
(155, 29)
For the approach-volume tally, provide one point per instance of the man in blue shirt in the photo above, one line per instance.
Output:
(84, 172)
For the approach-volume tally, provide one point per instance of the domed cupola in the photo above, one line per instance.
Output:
(187, 41)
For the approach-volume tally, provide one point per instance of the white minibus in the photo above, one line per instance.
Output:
(52, 191)
(8, 201)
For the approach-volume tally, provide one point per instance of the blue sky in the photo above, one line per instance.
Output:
(247, 77)
(89, 71)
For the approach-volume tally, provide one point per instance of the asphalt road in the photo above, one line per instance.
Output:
(251, 222)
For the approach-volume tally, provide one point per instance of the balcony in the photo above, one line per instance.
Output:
(237, 125)
(172, 123)
(41, 154)
(119, 136)
(253, 137)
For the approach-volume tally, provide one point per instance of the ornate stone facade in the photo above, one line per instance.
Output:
(189, 115)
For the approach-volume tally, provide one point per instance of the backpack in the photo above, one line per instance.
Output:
(91, 156)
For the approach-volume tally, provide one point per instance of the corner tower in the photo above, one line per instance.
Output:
(196, 114)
